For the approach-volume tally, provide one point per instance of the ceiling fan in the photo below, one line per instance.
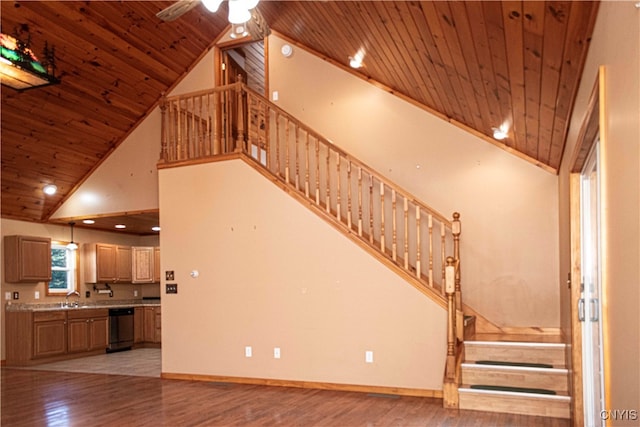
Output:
(244, 17)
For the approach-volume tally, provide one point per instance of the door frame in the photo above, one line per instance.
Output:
(592, 129)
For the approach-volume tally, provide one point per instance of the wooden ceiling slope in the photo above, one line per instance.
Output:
(476, 64)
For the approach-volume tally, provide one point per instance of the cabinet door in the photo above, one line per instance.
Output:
(143, 264)
(158, 335)
(156, 265)
(99, 333)
(106, 262)
(123, 264)
(149, 324)
(49, 338)
(27, 259)
(138, 325)
(78, 334)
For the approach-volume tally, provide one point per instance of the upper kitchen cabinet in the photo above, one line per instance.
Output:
(107, 263)
(143, 264)
(27, 259)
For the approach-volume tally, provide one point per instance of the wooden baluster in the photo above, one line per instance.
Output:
(406, 233)
(338, 199)
(241, 116)
(382, 242)
(217, 111)
(317, 171)
(349, 214)
(443, 255)
(297, 158)
(286, 151)
(207, 127)
(418, 254)
(359, 201)
(277, 143)
(164, 148)
(306, 166)
(327, 198)
(430, 225)
(371, 209)
(267, 134)
(394, 228)
(179, 128)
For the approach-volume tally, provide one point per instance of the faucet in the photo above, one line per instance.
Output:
(66, 299)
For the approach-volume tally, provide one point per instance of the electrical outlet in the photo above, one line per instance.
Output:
(7, 295)
(16, 295)
(247, 351)
(135, 293)
(368, 356)
(276, 352)
(275, 95)
(87, 294)
(171, 288)
(36, 295)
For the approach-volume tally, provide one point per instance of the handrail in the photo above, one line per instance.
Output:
(389, 219)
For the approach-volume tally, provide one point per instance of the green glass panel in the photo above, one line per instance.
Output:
(58, 280)
(58, 257)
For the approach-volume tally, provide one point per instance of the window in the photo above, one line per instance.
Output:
(64, 264)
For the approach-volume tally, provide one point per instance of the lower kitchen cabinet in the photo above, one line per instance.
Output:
(152, 324)
(49, 334)
(138, 325)
(88, 330)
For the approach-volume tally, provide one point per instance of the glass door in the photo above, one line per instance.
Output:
(589, 305)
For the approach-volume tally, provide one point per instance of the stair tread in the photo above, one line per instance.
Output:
(556, 397)
(512, 389)
(472, 365)
(509, 363)
(515, 344)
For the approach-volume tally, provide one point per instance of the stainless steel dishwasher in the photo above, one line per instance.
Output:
(120, 329)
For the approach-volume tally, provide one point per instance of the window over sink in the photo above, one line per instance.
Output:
(64, 269)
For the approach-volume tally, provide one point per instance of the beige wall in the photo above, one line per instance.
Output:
(273, 274)
(63, 233)
(616, 46)
(509, 208)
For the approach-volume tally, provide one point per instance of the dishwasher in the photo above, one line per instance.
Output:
(120, 329)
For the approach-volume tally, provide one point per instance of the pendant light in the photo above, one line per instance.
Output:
(72, 246)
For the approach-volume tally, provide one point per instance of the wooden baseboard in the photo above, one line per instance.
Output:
(399, 391)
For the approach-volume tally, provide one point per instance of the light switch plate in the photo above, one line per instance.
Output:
(368, 356)
(248, 351)
(171, 288)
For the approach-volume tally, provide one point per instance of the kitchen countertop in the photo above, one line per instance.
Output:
(10, 306)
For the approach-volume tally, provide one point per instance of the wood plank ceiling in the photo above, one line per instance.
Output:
(476, 64)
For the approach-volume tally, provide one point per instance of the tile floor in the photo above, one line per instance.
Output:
(140, 362)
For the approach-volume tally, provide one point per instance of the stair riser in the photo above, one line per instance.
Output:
(548, 380)
(526, 354)
(525, 405)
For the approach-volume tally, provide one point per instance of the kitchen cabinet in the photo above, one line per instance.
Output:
(27, 259)
(156, 264)
(107, 263)
(49, 334)
(152, 325)
(88, 330)
(138, 325)
(143, 264)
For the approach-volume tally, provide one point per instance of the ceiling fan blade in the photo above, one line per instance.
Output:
(177, 9)
(257, 25)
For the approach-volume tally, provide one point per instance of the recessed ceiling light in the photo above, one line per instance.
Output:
(50, 189)
(499, 134)
(156, 228)
(121, 226)
(88, 221)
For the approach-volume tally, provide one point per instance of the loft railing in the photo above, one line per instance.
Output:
(408, 235)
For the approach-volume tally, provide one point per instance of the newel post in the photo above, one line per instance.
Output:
(241, 116)
(450, 384)
(456, 229)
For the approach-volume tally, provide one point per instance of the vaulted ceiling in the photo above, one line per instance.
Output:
(478, 65)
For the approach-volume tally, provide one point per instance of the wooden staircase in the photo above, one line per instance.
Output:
(411, 238)
(519, 377)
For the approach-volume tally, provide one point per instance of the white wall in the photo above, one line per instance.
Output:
(509, 208)
(273, 274)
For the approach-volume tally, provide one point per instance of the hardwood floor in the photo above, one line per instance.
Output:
(33, 397)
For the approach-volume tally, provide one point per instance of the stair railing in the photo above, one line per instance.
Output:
(413, 237)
